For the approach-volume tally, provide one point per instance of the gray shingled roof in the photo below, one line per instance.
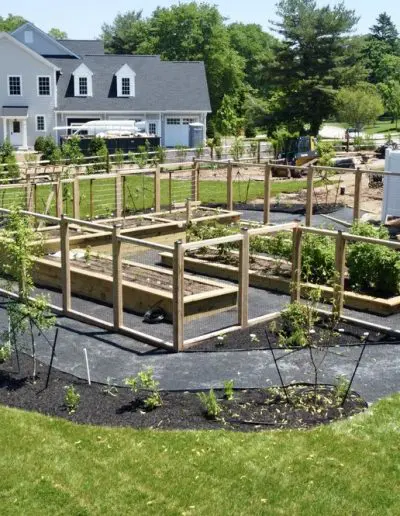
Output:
(160, 85)
(84, 47)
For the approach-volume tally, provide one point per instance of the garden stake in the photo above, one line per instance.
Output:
(53, 352)
(354, 372)
(277, 368)
(87, 366)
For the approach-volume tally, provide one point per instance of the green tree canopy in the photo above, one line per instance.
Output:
(12, 22)
(359, 106)
(390, 92)
(58, 33)
(385, 31)
(182, 32)
(309, 60)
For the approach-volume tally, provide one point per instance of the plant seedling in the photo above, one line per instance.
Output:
(228, 390)
(72, 398)
(210, 403)
(144, 382)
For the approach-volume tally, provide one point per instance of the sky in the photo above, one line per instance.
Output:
(82, 19)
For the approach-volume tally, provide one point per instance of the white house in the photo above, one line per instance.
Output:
(47, 83)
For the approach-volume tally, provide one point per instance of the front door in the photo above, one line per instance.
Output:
(16, 133)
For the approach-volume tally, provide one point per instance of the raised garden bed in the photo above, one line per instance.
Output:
(267, 278)
(250, 410)
(144, 286)
(201, 214)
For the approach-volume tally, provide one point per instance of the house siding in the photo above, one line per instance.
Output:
(15, 61)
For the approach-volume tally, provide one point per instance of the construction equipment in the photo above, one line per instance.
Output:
(299, 151)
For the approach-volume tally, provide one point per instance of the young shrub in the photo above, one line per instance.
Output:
(39, 144)
(118, 158)
(141, 158)
(237, 149)
(56, 157)
(340, 389)
(5, 352)
(199, 151)
(210, 404)
(145, 383)
(72, 398)
(160, 154)
(318, 259)
(228, 390)
(71, 150)
(48, 146)
(373, 268)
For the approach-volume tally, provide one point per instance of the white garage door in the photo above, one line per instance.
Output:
(176, 132)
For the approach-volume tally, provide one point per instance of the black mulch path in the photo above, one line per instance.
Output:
(253, 409)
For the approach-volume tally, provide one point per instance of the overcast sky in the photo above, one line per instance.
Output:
(84, 18)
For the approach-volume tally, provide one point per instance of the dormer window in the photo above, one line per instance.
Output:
(125, 82)
(83, 81)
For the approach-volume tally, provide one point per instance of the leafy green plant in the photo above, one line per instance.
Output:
(5, 352)
(46, 145)
(210, 404)
(228, 390)
(88, 254)
(145, 383)
(8, 160)
(237, 149)
(142, 156)
(110, 389)
(373, 268)
(318, 259)
(160, 154)
(21, 246)
(71, 150)
(341, 388)
(118, 158)
(199, 151)
(72, 398)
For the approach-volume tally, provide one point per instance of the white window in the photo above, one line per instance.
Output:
(125, 77)
(187, 121)
(44, 85)
(126, 86)
(40, 123)
(83, 81)
(28, 36)
(14, 85)
(152, 128)
(83, 86)
(173, 121)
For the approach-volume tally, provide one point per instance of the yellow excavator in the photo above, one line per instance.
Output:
(299, 151)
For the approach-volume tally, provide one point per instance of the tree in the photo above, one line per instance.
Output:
(182, 32)
(308, 60)
(257, 48)
(11, 23)
(226, 121)
(385, 31)
(390, 92)
(57, 33)
(388, 68)
(359, 106)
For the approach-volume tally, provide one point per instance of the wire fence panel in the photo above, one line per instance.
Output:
(138, 192)
(212, 184)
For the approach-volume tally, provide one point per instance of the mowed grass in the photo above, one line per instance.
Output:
(50, 466)
(139, 194)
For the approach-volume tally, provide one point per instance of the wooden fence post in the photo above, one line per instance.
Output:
(178, 305)
(91, 207)
(35, 198)
(357, 196)
(295, 291)
(118, 301)
(229, 187)
(157, 189)
(194, 181)
(124, 207)
(59, 198)
(309, 202)
(267, 193)
(65, 266)
(259, 153)
(340, 259)
(244, 258)
(197, 181)
(118, 195)
(188, 210)
(29, 192)
(170, 190)
(76, 194)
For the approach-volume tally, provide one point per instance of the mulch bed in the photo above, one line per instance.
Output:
(256, 337)
(250, 410)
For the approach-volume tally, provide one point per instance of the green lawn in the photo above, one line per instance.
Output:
(53, 467)
(385, 127)
(139, 193)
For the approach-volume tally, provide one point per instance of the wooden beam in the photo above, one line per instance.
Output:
(309, 202)
(357, 196)
(243, 301)
(157, 189)
(118, 195)
(178, 308)
(91, 207)
(338, 297)
(76, 198)
(188, 210)
(296, 265)
(194, 182)
(229, 187)
(267, 193)
(29, 193)
(65, 266)
(59, 198)
(118, 302)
